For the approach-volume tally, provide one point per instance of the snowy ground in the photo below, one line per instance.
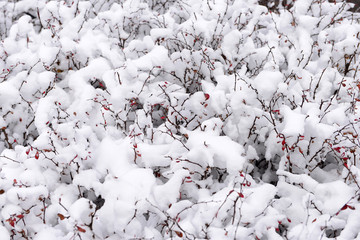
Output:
(179, 119)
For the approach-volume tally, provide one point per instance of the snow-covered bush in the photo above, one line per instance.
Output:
(179, 119)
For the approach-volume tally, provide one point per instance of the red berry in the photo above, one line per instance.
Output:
(207, 96)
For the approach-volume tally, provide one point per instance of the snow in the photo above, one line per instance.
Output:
(266, 83)
(48, 233)
(179, 120)
(8, 94)
(114, 157)
(294, 121)
(157, 57)
(4, 234)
